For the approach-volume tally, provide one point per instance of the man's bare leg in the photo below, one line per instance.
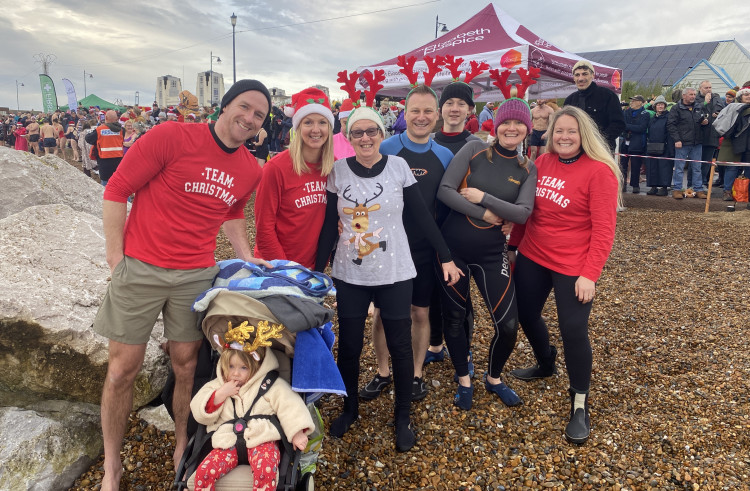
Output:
(184, 356)
(378, 342)
(420, 336)
(533, 153)
(125, 361)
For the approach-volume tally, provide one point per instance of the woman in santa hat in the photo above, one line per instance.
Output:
(291, 199)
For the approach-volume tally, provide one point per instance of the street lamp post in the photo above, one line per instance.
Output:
(234, 63)
(438, 23)
(84, 82)
(18, 104)
(211, 82)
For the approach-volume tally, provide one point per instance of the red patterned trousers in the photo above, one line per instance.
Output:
(264, 460)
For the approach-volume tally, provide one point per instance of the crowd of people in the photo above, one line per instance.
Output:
(404, 210)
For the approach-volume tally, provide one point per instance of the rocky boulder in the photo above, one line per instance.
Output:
(54, 278)
(47, 446)
(29, 181)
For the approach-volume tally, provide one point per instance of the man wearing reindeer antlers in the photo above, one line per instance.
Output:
(189, 180)
(598, 102)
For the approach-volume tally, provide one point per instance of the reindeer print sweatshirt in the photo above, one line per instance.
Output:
(373, 248)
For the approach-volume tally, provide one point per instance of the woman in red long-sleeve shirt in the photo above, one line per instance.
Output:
(563, 246)
(290, 202)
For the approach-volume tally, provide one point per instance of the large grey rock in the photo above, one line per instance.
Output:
(45, 448)
(54, 278)
(28, 180)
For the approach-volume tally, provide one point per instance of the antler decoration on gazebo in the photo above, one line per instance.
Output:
(433, 68)
(500, 80)
(476, 70)
(407, 68)
(373, 84)
(452, 63)
(350, 82)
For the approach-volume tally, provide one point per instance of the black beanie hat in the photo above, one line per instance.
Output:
(458, 90)
(243, 86)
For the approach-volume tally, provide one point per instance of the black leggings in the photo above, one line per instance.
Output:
(395, 311)
(480, 253)
(533, 285)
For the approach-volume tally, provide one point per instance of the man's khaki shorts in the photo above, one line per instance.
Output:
(137, 294)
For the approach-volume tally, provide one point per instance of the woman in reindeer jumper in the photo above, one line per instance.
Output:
(370, 193)
(564, 246)
(291, 199)
(241, 370)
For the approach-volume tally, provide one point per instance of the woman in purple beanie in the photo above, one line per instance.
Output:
(485, 186)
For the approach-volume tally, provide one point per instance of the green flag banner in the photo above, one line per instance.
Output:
(49, 97)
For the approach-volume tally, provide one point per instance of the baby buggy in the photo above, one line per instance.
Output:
(286, 294)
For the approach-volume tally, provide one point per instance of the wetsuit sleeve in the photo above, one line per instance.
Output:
(452, 179)
(329, 232)
(519, 211)
(414, 205)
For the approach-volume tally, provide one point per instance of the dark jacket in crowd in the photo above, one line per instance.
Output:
(684, 123)
(604, 108)
(714, 106)
(636, 125)
(657, 133)
(741, 132)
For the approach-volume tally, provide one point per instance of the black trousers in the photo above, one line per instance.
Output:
(533, 286)
(395, 310)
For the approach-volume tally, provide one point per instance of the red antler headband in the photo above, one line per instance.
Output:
(350, 82)
(433, 68)
(407, 68)
(373, 83)
(500, 80)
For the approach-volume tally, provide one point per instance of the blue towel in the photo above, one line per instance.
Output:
(284, 278)
(314, 368)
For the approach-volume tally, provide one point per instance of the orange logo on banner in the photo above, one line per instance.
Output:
(616, 79)
(510, 59)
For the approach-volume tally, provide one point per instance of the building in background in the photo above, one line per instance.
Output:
(323, 89)
(725, 63)
(168, 90)
(204, 86)
(279, 97)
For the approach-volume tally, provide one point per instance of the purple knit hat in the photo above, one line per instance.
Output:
(514, 108)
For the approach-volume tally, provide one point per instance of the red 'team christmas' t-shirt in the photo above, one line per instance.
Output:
(289, 212)
(572, 227)
(186, 184)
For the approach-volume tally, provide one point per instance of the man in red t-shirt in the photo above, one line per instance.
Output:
(189, 180)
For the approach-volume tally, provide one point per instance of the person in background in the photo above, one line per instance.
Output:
(659, 170)
(129, 135)
(108, 140)
(712, 106)
(341, 146)
(634, 141)
(487, 113)
(600, 103)
(736, 144)
(20, 135)
(540, 115)
(563, 247)
(685, 126)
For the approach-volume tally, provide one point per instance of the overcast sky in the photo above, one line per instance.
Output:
(127, 45)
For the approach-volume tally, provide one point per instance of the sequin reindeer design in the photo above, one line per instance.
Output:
(361, 223)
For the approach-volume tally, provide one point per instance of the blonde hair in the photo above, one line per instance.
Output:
(246, 358)
(592, 141)
(326, 157)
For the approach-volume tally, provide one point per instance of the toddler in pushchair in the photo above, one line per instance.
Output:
(251, 427)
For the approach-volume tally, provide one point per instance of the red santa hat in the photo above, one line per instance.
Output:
(309, 101)
(346, 108)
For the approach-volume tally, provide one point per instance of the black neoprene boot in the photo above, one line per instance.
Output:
(543, 368)
(579, 426)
